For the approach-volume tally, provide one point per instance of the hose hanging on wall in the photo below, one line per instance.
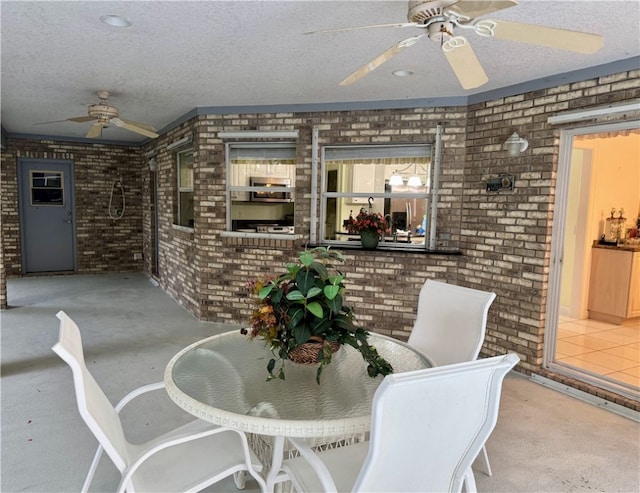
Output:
(116, 213)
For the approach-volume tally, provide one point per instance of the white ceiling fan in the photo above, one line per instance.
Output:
(102, 114)
(439, 19)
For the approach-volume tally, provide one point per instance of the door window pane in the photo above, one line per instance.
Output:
(46, 188)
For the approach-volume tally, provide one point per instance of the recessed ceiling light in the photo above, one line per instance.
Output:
(402, 73)
(115, 21)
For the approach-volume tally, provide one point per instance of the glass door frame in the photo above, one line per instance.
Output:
(556, 258)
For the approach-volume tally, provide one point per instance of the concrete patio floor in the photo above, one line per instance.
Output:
(545, 441)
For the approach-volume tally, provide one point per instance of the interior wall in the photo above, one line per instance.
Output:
(615, 179)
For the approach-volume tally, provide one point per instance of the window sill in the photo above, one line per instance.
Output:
(265, 236)
(186, 229)
(395, 248)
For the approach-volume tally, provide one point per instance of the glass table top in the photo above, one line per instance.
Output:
(222, 379)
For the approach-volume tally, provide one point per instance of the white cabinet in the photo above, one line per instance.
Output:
(240, 178)
(614, 285)
(366, 178)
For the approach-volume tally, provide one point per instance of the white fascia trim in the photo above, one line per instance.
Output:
(258, 134)
(180, 142)
(576, 116)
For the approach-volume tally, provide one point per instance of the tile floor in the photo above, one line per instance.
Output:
(609, 350)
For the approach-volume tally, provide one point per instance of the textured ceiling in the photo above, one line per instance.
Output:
(179, 55)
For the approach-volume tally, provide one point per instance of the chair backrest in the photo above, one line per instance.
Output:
(95, 408)
(451, 322)
(429, 425)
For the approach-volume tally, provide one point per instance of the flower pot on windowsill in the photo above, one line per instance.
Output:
(369, 239)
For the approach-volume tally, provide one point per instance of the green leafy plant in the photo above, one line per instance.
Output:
(306, 303)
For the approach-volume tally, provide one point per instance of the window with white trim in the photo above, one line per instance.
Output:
(184, 214)
(261, 180)
(394, 180)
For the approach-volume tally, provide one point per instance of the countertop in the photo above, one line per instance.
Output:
(626, 247)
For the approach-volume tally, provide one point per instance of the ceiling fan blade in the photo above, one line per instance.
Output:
(81, 119)
(133, 128)
(464, 62)
(74, 119)
(552, 37)
(374, 26)
(476, 8)
(146, 126)
(95, 130)
(380, 59)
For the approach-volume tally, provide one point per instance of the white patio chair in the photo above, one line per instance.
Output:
(450, 327)
(188, 458)
(427, 428)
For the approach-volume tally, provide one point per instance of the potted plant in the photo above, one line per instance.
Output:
(304, 306)
(370, 225)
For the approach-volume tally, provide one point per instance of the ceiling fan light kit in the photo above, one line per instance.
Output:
(439, 18)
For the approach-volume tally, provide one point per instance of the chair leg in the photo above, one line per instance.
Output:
(469, 482)
(240, 478)
(92, 470)
(485, 461)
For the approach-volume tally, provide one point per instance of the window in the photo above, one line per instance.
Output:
(46, 188)
(394, 179)
(185, 188)
(260, 187)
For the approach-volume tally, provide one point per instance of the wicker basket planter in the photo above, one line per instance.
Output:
(308, 353)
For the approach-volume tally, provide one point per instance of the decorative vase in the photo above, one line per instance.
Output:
(369, 239)
(308, 352)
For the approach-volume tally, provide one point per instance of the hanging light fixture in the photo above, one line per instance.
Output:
(395, 179)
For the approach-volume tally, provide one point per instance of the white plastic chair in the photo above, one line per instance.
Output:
(450, 327)
(188, 458)
(427, 428)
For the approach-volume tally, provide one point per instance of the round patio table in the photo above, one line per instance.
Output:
(222, 379)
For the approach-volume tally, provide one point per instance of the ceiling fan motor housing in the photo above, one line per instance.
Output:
(103, 112)
(422, 11)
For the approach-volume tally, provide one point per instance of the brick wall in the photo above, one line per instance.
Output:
(207, 272)
(103, 244)
(506, 237)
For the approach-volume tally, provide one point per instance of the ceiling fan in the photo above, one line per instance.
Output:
(102, 114)
(439, 19)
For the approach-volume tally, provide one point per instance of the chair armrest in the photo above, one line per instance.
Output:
(137, 392)
(316, 464)
(161, 443)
